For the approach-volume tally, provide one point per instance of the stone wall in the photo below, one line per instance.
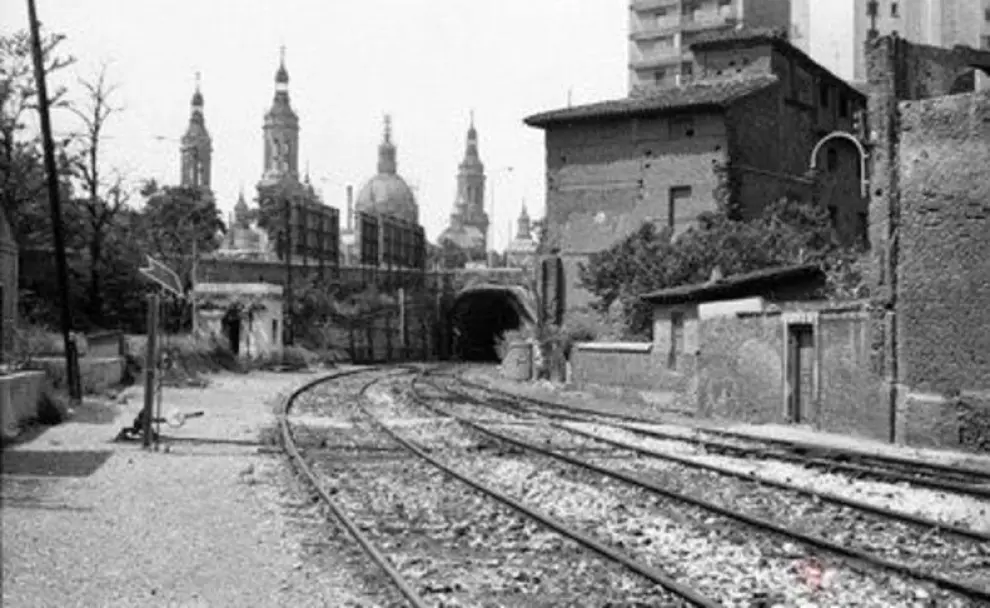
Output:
(637, 367)
(929, 220)
(20, 397)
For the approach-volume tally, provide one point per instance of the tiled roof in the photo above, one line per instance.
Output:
(712, 94)
(744, 34)
(737, 286)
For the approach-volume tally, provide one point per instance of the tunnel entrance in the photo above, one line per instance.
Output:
(480, 318)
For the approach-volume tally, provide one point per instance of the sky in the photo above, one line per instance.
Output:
(427, 63)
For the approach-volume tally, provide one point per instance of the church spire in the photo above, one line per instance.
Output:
(196, 146)
(281, 130)
(387, 163)
(523, 225)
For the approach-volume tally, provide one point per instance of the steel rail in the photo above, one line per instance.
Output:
(825, 496)
(855, 454)
(879, 472)
(646, 484)
(875, 472)
(292, 450)
(652, 574)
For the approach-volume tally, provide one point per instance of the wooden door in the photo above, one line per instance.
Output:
(800, 372)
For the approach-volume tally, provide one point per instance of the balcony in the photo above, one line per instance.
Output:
(708, 20)
(652, 5)
(656, 28)
(652, 62)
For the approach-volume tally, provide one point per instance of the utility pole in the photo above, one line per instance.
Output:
(289, 338)
(71, 358)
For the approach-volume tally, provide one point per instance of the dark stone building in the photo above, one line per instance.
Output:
(748, 122)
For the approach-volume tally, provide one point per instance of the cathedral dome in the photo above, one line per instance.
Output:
(388, 194)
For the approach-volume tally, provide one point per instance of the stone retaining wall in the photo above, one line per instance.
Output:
(20, 398)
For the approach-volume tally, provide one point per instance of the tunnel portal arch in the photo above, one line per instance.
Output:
(481, 314)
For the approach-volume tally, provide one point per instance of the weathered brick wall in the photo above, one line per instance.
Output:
(740, 369)
(944, 259)
(639, 367)
(851, 398)
(605, 181)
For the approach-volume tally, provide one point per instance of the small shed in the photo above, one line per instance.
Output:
(678, 310)
(8, 285)
(248, 316)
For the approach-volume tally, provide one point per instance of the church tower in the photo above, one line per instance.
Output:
(196, 146)
(281, 131)
(470, 202)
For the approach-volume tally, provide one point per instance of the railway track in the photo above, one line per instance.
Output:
(519, 553)
(969, 481)
(969, 549)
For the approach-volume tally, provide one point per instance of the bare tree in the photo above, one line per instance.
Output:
(22, 184)
(104, 195)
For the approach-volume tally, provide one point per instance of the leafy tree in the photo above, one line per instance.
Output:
(172, 218)
(788, 232)
(22, 175)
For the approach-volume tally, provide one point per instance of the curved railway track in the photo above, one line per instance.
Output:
(977, 591)
(970, 481)
(684, 594)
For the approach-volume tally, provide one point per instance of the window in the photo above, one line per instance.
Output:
(823, 94)
(676, 338)
(687, 69)
(832, 160)
(986, 42)
(682, 126)
(274, 329)
(894, 12)
(843, 106)
(833, 217)
(986, 14)
(871, 8)
(678, 194)
(659, 76)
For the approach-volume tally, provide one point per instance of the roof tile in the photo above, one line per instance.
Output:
(702, 94)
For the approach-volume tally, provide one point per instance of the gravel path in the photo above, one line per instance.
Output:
(87, 522)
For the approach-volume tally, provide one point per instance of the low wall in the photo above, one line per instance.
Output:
(940, 421)
(97, 374)
(20, 398)
(637, 367)
(105, 344)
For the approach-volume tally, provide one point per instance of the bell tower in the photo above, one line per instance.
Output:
(196, 145)
(470, 200)
(281, 131)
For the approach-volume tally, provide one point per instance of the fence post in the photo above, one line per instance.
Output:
(149, 367)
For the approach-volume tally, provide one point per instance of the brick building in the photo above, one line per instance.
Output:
(757, 110)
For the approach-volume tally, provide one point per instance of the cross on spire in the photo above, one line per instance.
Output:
(281, 54)
(388, 128)
(198, 79)
(472, 118)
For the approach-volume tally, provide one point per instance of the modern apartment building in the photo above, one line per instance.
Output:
(832, 32)
(661, 33)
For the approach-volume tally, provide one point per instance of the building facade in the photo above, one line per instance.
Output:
(755, 112)
(832, 32)
(661, 33)
(835, 32)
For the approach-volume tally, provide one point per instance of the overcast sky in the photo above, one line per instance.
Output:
(427, 62)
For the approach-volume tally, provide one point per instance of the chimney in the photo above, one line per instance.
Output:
(350, 208)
